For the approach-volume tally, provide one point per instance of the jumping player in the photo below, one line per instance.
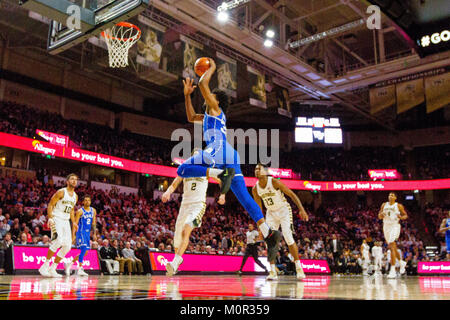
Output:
(87, 214)
(445, 227)
(278, 212)
(192, 209)
(391, 212)
(219, 159)
(59, 211)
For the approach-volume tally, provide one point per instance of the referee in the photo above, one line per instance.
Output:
(252, 248)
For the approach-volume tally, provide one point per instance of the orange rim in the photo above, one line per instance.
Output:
(127, 25)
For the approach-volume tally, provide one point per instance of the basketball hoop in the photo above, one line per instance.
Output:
(119, 39)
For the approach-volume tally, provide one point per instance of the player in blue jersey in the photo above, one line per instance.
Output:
(445, 227)
(86, 219)
(219, 159)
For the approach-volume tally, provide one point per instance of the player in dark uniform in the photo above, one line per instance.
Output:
(86, 219)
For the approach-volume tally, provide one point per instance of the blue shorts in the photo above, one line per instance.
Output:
(83, 240)
(447, 241)
(218, 155)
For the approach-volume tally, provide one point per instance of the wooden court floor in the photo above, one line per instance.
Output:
(222, 287)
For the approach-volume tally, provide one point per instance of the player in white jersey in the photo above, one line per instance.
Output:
(365, 248)
(377, 254)
(192, 209)
(60, 210)
(278, 212)
(392, 212)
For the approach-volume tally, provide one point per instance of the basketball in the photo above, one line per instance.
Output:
(201, 65)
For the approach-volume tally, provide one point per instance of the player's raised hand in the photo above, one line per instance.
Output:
(165, 197)
(221, 200)
(303, 215)
(188, 86)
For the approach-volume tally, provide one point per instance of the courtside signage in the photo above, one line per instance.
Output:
(433, 267)
(225, 263)
(32, 258)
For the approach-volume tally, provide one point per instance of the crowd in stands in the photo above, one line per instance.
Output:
(140, 224)
(312, 164)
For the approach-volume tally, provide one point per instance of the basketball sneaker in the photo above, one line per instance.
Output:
(402, 267)
(272, 276)
(171, 268)
(44, 270)
(67, 268)
(300, 274)
(392, 274)
(81, 273)
(226, 177)
(54, 274)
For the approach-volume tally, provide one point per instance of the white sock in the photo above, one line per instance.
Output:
(273, 268)
(298, 265)
(47, 263)
(264, 229)
(177, 260)
(213, 172)
(53, 266)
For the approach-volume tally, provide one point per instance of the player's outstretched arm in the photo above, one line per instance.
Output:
(190, 112)
(403, 214)
(78, 215)
(203, 84)
(380, 213)
(442, 227)
(221, 200)
(173, 186)
(277, 184)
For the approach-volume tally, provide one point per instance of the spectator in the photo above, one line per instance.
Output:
(6, 254)
(129, 254)
(107, 256)
(117, 254)
(44, 241)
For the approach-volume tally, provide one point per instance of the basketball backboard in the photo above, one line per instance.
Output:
(94, 16)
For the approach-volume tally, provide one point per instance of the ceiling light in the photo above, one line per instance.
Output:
(222, 16)
(270, 33)
(268, 43)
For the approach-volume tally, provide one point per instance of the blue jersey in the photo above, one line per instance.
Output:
(214, 128)
(447, 233)
(84, 228)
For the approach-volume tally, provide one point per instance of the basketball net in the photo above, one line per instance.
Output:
(119, 39)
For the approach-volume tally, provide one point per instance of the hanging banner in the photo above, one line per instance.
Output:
(226, 74)
(437, 91)
(381, 98)
(409, 95)
(149, 47)
(192, 50)
(257, 82)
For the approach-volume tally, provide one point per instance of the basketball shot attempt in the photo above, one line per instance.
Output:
(192, 209)
(278, 212)
(219, 159)
(60, 210)
(392, 212)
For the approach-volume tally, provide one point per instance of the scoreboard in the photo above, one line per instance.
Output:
(318, 130)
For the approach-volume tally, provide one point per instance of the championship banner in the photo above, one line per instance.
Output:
(257, 82)
(149, 47)
(192, 50)
(226, 74)
(381, 98)
(437, 91)
(409, 95)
